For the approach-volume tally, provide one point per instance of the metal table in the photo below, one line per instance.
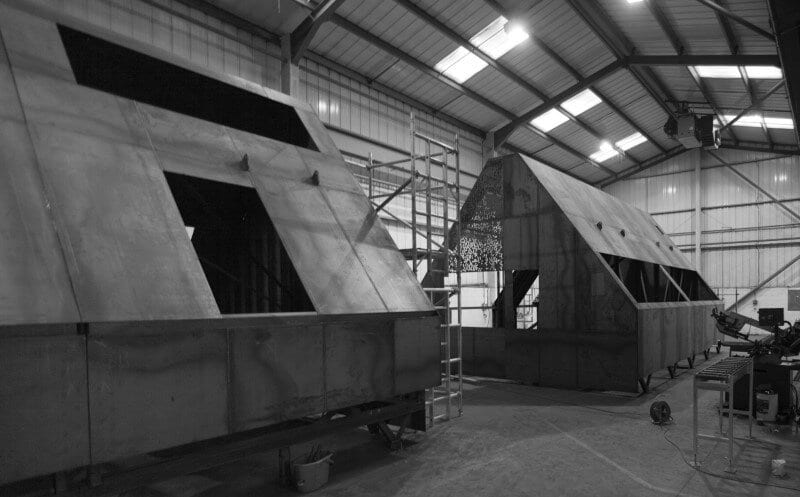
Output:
(722, 377)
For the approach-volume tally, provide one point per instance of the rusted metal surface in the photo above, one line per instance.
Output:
(591, 331)
(149, 363)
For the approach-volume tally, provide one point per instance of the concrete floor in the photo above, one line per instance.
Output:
(523, 440)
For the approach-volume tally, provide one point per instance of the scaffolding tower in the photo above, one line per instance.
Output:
(442, 285)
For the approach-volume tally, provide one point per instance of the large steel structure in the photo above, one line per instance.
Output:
(617, 301)
(185, 256)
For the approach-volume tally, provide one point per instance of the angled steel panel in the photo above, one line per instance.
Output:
(130, 257)
(586, 206)
(35, 286)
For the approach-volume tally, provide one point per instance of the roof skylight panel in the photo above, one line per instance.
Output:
(581, 102)
(500, 36)
(549, 120)
(631, 141)
(460, 64)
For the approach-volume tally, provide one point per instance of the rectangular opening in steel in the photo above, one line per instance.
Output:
(241, 254)
(647, 282)
(111, 68)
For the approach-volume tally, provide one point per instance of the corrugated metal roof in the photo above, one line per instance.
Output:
(556, 24)
(468, 110)
(628, 94)
(636, 21)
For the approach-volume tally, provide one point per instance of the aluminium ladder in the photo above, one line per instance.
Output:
(445, 400)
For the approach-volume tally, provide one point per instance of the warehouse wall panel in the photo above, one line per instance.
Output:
(746, 237)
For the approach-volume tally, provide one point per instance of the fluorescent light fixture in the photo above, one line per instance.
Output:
(581, 102)
(634, 1)
(756, 120)
(631, 141)
(779, 177)
(460, 65)
(500, 36)
(606, 152)
(549, 120)
(763, 72)
(729, 72)
(670, 190)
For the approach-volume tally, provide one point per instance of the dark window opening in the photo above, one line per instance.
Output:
(647, 282)
(242, 256)
(111, 68)
(522, 298)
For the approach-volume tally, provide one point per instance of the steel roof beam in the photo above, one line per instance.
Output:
(260, 32)
(666, 26)
(753, 99)
(578, 76)
(429, 71)
(753, 105)
(785, 17)
(678, 46)
(303, 34)
(502, 69)
(503, 133)
(602, 25)
(737, 18)
(761, 147)
(703, 60)
(575, 74)
(725, 25)
(707, 95)
(651, 162)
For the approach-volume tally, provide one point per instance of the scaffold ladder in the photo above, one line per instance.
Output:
(445, 400)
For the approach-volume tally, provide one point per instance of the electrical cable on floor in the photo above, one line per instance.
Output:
(665, 431)
(723, 477)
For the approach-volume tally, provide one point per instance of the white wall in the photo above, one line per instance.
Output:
(741, 245)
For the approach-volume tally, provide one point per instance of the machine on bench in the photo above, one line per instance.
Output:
(768, 353)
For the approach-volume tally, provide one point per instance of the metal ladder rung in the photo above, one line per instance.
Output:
(451, 325)
(445, 397)
(452, 360)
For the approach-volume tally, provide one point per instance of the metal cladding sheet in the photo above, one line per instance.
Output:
(43, 413)
(359, 364)
(186, 145)
(416, 351)
(128, 254)
(33, 43)
(34, 284)
(585, 206)
(159, 387)
(287, 364)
